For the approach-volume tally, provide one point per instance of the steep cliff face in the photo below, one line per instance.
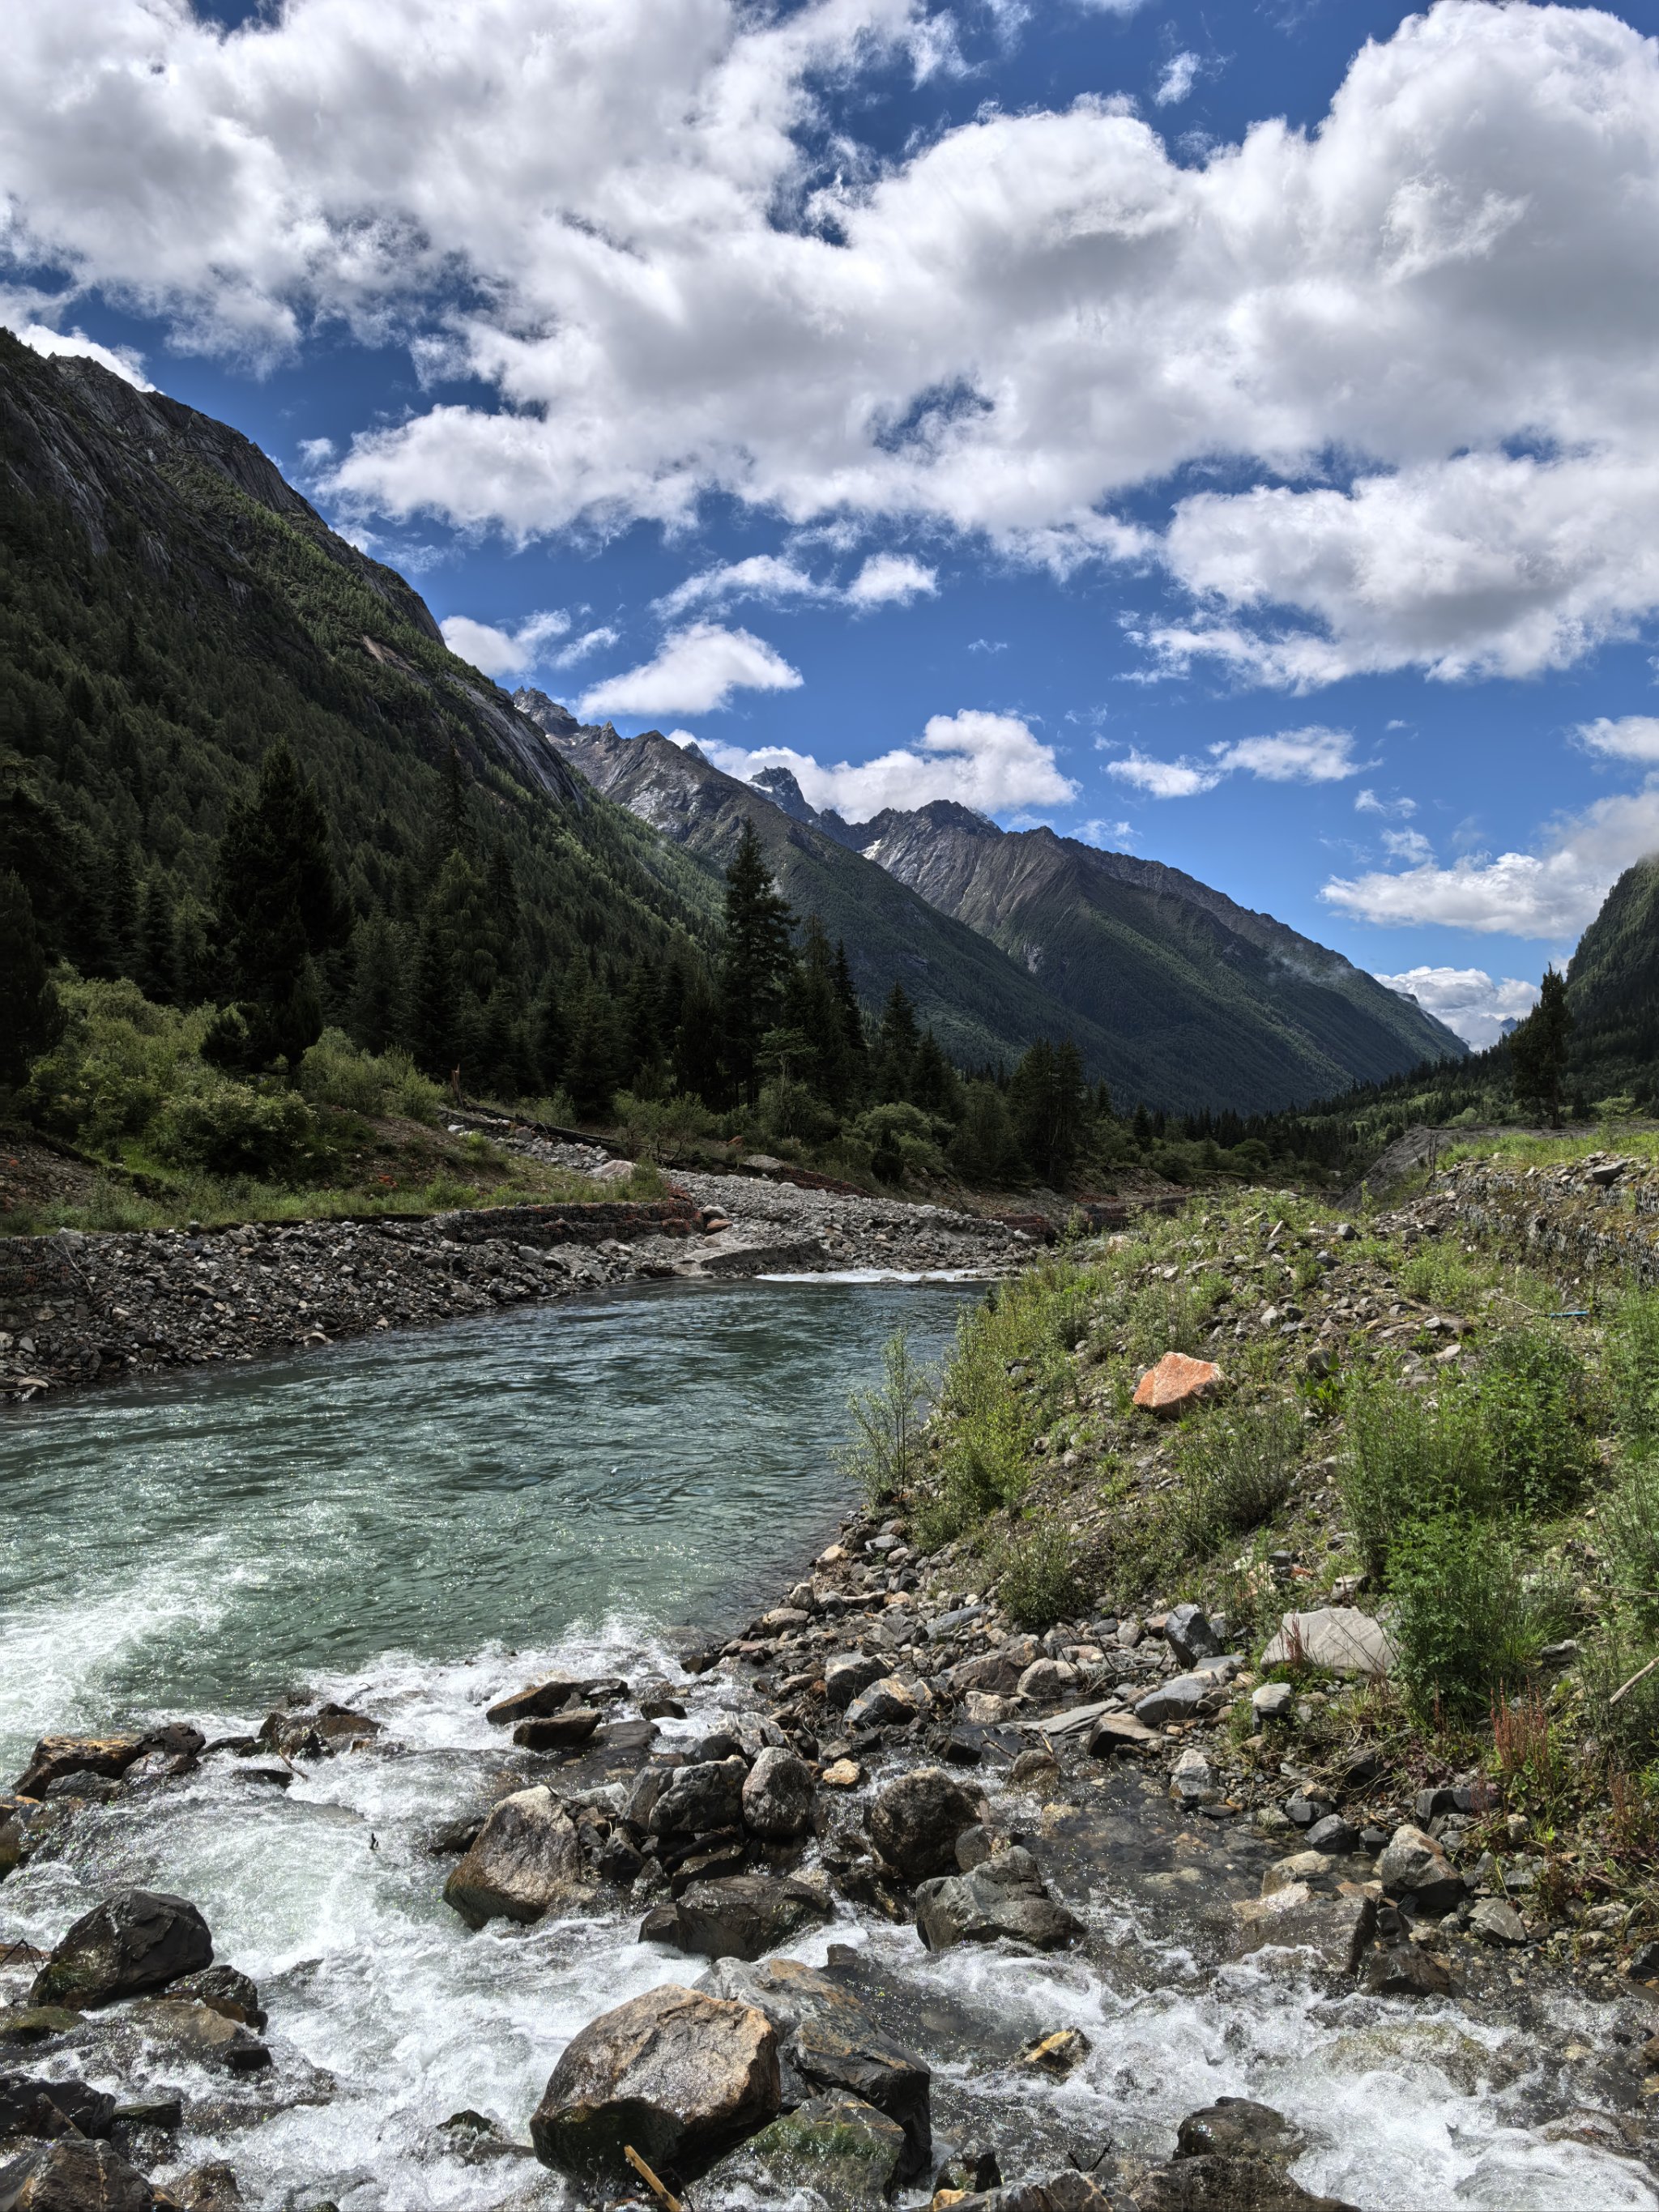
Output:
(979, 1005)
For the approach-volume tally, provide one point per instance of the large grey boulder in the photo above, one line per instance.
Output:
(833, 2150)
(844, 1678)
(1336, 1929)
(700, 1798)
(739, 1915)
(916, 1821)
(186, 2028)
(73, 2176)
(679, 2075)
(139, 1939)
(1005, 1896)
(1237, 2127)
(527, 1860)
(828, 2042)
(1181, 1698)
(30, 2105)
(777, 1795)
(1414, 1865)
(889, 1702)
(997, 1671)
(1338, 1637)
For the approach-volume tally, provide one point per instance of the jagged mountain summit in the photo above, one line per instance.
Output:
(1175, 994)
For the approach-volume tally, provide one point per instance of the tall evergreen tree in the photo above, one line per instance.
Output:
(375, 1015)
(551, 1038)
(934, 1083)
(699, 1065)
(1538, 1049)
(897, 1036)
(279, 908)
(591, 1071)
(432, 1037)
(30, 1018)
(158, 954)
(1046, 1103)
(755, 962)
(856, 1043)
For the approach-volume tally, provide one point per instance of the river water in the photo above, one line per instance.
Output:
(414, 1524)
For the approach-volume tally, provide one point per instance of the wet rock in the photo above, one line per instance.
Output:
(31, 2106)
(679, 2075)
(1181, 1698)
(841, 1774)
(74, 2175)
(841, 2152)
(1038, 1766)
(212, 2188)
(1193, 1780)
(1237, 2127)
(1300, 1866)
(550, 1694)
(777, 1795)
(916, 1821)
(721, 1745)
(845, 1677)
(1046, 1682)
(1414, 1865)
(1406, 1970)
(1337, 1930)
(56, 1756)
(1187, 1632)
(559, 1731)
(1494, 1922)
(1070, 2192)
(1005, 1897)
(1059, 2054)
(1338, 1637)
(190, 2030)
(317, 1735)
(996, 1672)
(29, 2024)
(525, 1861)
(699, 1799)
(1215, 2183)
(742, 1916)
(1115, 1732)
(226, 1991)
(1176, 1383)
(887, 1703)
(139, 1939)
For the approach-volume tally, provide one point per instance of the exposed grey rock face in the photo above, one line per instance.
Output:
(1181, 1698)
(1188, 1634)
(1337, 1637)
(1003, 1896)
(140, 1940)
(916, 1821)
(679, 2075)
(527, 1859)
(777, 1795)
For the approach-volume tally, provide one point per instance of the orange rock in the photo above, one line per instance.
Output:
(1176, 1382)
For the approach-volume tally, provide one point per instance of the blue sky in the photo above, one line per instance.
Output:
(1222, 432)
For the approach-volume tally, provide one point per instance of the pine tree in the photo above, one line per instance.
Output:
(158, 958)
(933, 1083)
(755, 962)
(375, 1015)
(1046, 1103)
(591, 1073)
(698, 1063)
(897, 1038)
(432, 1026)
(30, 1018)
(120, 912)
(279, 908)
(856, 1044)
(552, 1034)
(1538, 1049)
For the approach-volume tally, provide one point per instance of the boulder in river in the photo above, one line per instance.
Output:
(56, 1756)
(226, 1991)
(1414, 1865)
(1003, 1896)
(916, 1821)
(74, 2175)
(538, 1700)
(889, 1702)
(1237, 2127)
(741, 1916)
(527, 1860)
(317, 1735)
(777, 1795)
(845, 1677)
(700, 1799)
(834, 2150)
(559, 1731)
(186, 2028)
(679, 2077)
(1216, 2184)
(139, 1940)
(1337, 1930)
(31, 2106)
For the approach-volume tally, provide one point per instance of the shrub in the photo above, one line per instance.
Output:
(118, 1059)
(1410, 1457)
(1629, 1522)
(1633, 1369)
(1612, 1663)
(1535, 1404)
(1237, 1467)
(1039, 1578)
(902, 1140)
(883, 1454)
(649, 1127)
(334, 1072)
(232, 1128)
(1468, 1625)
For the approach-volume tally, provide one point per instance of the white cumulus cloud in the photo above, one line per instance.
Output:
(994, 763)
(1628, 738)
(1468, 999)
(76, 345)
(885, 578)
(1180, 72)
(1551, 894)
(504, 653)
(892, 579)
(1420, 335)
(1314, 755)
(695, 670)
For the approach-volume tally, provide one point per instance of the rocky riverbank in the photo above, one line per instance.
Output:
(80, 1308)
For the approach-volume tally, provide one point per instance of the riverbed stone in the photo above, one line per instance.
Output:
(1238, 2127)
(1210, 2182)
(889, 1702)
(1187, 1632)
(679, 2075)
(536, 1699)
(31, 2106)
(73, 2176)
(1300, 1866)
(777, 1795)
(742, 1916)
(138, 1940)
(834, 2149)
(234, 1994)
(1406, 1970)
(1414, 1865)
(1181, 1698)
(561, 1731)
(317, 1735)
(1004, 1897)
(997, 1671)
(56, 1757)
(1336, 1929)
(186, 2028)
(916, 1821)
(846, 1677)
(527, 1860)
(1115, 1732)
(1338, 1637)
(1492, 1920)
(700, 1798)
(1193, 1781)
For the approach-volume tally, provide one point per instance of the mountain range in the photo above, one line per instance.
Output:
(1173, 993)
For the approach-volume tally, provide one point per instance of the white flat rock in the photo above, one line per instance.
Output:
(1339, 1638)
